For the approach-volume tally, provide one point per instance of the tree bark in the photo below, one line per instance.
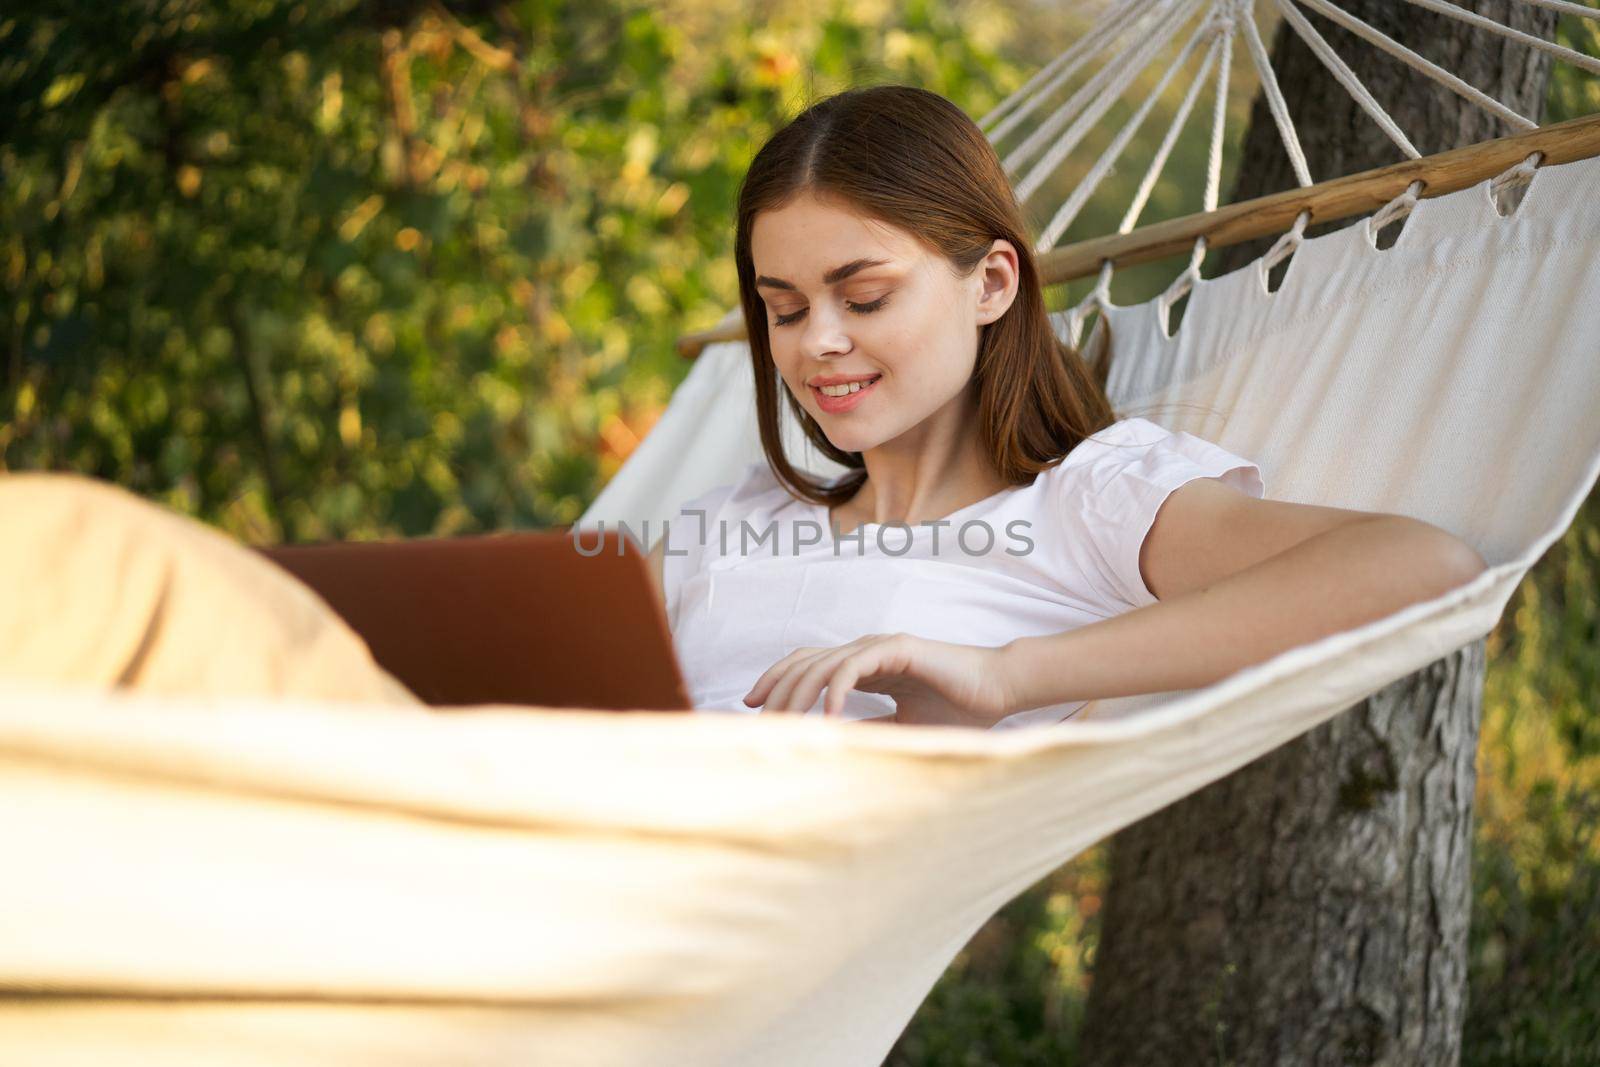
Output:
(1313, 908)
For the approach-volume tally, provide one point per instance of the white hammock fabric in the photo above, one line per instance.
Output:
(241, 882)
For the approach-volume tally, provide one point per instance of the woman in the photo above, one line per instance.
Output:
(886, 275)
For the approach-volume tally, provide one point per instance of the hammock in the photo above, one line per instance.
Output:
(249, 881)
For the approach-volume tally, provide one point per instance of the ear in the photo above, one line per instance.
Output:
(999, 276)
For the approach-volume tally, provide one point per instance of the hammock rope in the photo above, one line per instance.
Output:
(1566, 7)
(1098, 300)
(1221, 27)
(1064, 66)
(1096, 96)
(1514, 177)
(1346, 77)
(1113, 79)
(1107, 86)
(1108, 158)
(1275, 102)
(1416, 62)
(1219, 113)
(1394, 210)
(1104, 43)
(1577, 59)
(1284, 247)
(1158, 164)
(1181, 285)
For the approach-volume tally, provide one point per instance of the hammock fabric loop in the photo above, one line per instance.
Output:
(1099, 299)
(1394, 210)
(1180, 286)
(1283, 247)
(1517, 174)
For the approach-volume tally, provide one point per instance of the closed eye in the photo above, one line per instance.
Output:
(859, 309)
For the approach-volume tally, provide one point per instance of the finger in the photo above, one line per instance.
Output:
(820, 674)
(770, 676)
(810, 677)
(789, 691)
(871, 670)
(844, 678)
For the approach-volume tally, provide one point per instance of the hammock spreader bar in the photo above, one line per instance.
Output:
(1329, 201)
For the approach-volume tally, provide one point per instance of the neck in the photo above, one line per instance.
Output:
(937, 467)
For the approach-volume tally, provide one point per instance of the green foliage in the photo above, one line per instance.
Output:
(1573, 91)
(352, 269)
(1536, 858)
(1015, 994)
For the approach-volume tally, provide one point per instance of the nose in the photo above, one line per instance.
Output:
(823, 336)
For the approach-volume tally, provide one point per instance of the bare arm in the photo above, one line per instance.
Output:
(1239, 580)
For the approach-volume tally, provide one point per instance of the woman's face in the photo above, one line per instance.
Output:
(857, 299)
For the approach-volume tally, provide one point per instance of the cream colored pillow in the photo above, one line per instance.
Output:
(100, 587)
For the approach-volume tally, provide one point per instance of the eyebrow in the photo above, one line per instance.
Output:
(837, 274)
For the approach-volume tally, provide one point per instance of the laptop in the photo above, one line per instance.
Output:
(539, 618)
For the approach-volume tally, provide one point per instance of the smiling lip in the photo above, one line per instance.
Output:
(841, 379)
(836, 405)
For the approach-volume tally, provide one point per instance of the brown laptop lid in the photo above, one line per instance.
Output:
(521, 618)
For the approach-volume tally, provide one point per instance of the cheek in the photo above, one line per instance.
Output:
(789, 369)
(942, 368)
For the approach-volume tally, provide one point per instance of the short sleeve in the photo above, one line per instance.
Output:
(1115, 481)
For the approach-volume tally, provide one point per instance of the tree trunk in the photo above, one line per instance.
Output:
(1313, 908)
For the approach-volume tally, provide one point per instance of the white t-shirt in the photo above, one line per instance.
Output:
(752, 573)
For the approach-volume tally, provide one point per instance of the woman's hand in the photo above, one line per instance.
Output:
(930, 681)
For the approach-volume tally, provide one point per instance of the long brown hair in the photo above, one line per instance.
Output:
(911, 158)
